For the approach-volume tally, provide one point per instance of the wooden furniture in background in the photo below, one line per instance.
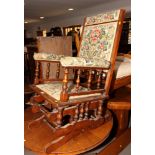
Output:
(125, 42)
(56, 45)
(120, 104)
(29, 63)
(73, 109)
(71, 31)
(39, 33)
(29, 70)
(70, 28)
(124, 80)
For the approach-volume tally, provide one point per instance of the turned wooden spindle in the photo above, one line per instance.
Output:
(99, 113)
(36, 79)
(81, 111)
(89, 79)
(64, 94)
(86, 110)
(59, 117)
(76, 116)
(104, 75)
(99, 79)
(78, 80)
(58, 70)
(47, 70)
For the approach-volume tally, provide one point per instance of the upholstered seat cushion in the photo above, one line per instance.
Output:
(54, 89)
(122, 67)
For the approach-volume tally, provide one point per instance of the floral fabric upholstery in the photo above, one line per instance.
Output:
(104, 17)
(47, 56)
(98, 41)
(54, 89)
(84, 62)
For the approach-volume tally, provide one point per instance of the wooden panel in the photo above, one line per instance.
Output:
(55, 45)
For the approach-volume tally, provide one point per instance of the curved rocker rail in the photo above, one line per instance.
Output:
(43, 138)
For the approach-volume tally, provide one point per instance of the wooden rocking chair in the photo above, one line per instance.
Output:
(69, 108)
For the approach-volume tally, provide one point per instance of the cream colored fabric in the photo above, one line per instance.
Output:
(47, 56)
(98, 40)
(122, 67)
(84, 62)
(54, 89)
(103, 17)
(72, 61)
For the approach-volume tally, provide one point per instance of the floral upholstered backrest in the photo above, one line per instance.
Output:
(98, 35)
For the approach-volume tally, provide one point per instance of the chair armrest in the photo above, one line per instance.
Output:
(79, 62)
(47, 56)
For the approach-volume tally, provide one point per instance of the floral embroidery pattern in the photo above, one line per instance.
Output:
(54, 89)
(104, 17)
(84, 62)
(96, 45)
(47, 56)
(98, 41)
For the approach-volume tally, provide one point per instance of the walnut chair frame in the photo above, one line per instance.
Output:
(75, 111)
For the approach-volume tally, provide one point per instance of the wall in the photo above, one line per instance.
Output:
(78, 19)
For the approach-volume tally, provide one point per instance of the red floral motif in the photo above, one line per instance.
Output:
(95, 35)
(102, 45)
(98, 41)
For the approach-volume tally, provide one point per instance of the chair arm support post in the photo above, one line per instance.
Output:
(58, 70)
(64, 93)
(36, 80)
(100, 109)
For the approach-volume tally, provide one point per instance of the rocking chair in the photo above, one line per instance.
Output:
(67, 107)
